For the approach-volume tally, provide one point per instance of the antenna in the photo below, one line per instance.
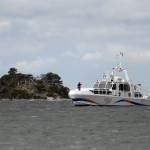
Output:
(121, 54)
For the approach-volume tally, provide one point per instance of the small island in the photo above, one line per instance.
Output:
(16, 85)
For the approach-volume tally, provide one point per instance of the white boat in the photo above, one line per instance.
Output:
(113, 90)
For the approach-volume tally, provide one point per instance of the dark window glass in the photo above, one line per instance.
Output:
(121, 87)
(114, 87)
(104, 92)
(95, 85)
(95, 92)
(137, 94)
(102, 85)
(109, 85)
(124, 87)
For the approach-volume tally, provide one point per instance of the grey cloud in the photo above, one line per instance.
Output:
(53, 27)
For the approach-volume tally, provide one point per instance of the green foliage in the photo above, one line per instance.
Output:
(4, 92)
(50, 94)
(51, 79)
(40, 85)
(4, 79)
(39, 97)
(19, 94)
(64, 92)
(24, 86)
(53, 88)
(12, 71)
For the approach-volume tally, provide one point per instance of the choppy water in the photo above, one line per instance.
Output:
(58, 125)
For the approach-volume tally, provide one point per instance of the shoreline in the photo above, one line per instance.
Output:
(48, 99)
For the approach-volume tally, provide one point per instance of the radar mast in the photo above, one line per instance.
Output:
(121, 55)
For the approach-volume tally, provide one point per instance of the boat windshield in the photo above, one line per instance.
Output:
(96, 85)
(105, 85)
(109, 85)
(102, 85)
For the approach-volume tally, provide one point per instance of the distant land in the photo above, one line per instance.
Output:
(16, 85)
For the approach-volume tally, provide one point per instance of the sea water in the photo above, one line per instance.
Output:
(58, 125)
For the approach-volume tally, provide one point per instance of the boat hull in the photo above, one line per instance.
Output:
(82, 99)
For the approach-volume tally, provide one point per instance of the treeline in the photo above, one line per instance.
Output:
(16, 85)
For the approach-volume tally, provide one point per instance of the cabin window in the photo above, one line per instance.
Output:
(121, 87)
(124, 87)
(95, 92)
(137, 94)
(103, 92)
(102, 85)
(114, 87)
(95, 85)
(109, 85)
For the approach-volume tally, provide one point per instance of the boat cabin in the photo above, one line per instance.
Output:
(115, 89)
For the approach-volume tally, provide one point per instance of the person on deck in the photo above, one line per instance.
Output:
(79, 86)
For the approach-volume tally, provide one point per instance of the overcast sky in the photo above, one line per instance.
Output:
(77, 39)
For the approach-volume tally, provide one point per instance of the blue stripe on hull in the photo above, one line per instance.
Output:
(95, 103)
(84, 100)
(128, 101)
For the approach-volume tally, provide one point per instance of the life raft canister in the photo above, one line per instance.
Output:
(135, 87)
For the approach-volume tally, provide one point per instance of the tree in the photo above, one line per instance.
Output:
(12, 71)
(40, 86)
(51, 79)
